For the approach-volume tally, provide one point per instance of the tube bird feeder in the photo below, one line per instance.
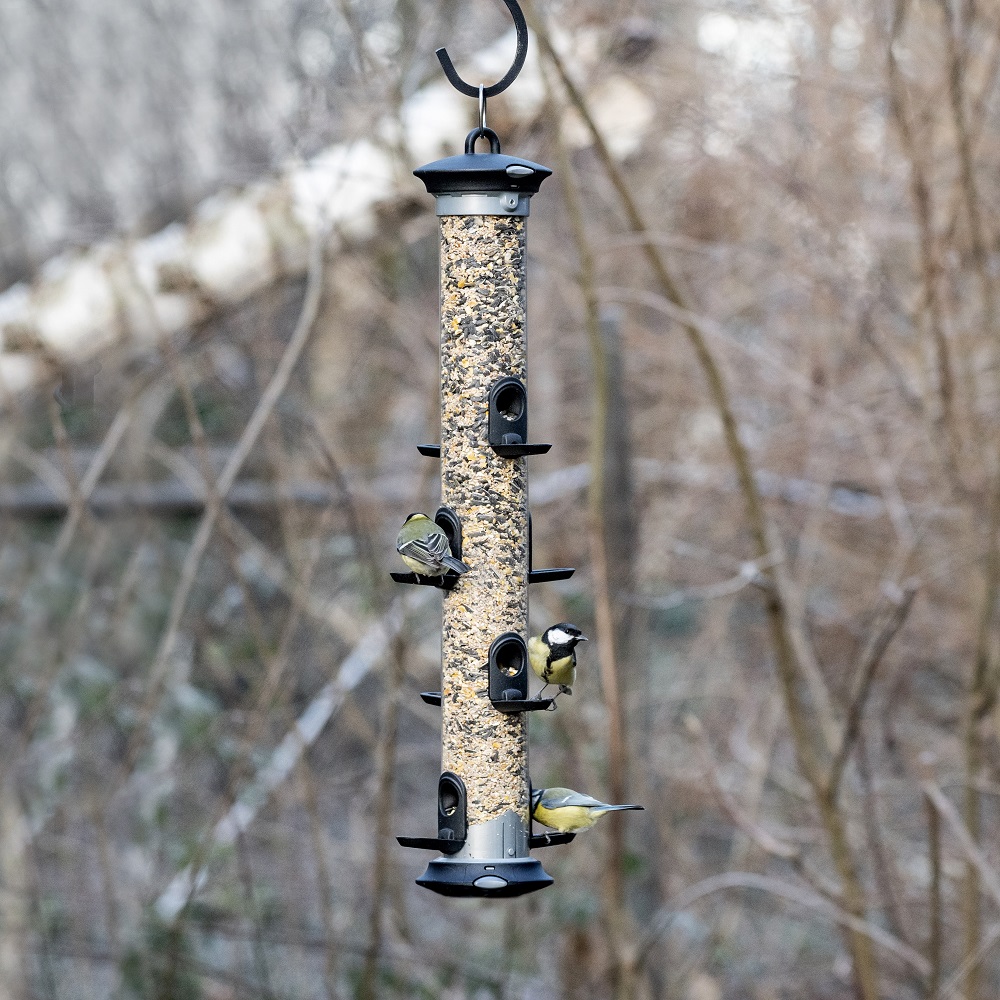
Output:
(484, 793)
(482, 204)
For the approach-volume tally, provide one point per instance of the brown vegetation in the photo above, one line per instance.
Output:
(763, 340)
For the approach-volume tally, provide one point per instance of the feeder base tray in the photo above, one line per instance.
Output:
(484, 878)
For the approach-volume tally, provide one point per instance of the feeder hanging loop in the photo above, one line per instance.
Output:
(482, 133)
(482, 93)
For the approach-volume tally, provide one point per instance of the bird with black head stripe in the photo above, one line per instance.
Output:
(553, 655)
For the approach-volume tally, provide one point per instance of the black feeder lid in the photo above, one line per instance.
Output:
(481, 173)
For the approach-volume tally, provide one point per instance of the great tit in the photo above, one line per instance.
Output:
(553, 655)
(568, 811)
(424, 547)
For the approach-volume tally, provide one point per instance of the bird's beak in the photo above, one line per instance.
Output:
(582, 638)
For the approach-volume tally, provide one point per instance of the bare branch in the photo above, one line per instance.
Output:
(871, 657)
(286, 755)
(660, 922)
(988, 875)
(764, 839)
(293, 351)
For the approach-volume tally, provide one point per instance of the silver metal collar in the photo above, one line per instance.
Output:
(489, 203)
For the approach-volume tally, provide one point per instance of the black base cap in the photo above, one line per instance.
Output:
(490, 879)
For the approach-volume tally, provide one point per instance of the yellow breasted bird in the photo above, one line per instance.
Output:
(553, 655)
(424, 547)
(568, 811)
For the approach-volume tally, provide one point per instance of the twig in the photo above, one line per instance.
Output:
(293, 351)
(953, 985)
(871, 657)
(257, 948)
(920, 192)
(303, 734)
(935, 938)
(988, 875)
(983, 687)
(883, 869)
(662, 919)
(385, 781)
(765, 840)
(324, 885)
(112, 439)
(42, 467)
(787, 641)
(362, 537)
(607, 640)
(749, 575)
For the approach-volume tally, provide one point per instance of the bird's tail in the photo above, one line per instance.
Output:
(455, 565)
(611, 809)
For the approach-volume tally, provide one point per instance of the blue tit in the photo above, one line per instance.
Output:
(424, 547)
(568, 811)
(553, 655)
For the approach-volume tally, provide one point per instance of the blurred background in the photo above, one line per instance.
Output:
(764, 343)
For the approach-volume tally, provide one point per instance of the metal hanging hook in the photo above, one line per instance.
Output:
(468, 89)
(482, 132)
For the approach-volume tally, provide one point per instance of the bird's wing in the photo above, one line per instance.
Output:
(415, 547)
(438, 545)
(566, 797)
(429, 549)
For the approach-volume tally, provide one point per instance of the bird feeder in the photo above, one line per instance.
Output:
(484, 795)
